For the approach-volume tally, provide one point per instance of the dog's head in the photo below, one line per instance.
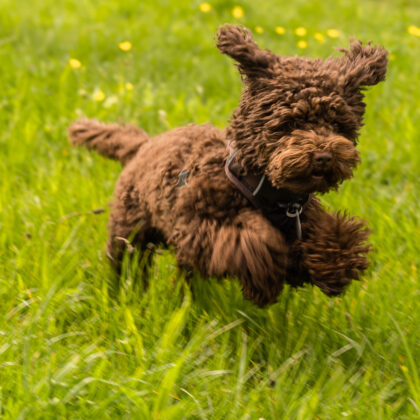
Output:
(299, 118)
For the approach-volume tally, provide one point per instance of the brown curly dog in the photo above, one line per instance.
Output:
(239, 202)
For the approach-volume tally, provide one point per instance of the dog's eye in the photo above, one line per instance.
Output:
(341, 129)
(346, 131)
(337, 128)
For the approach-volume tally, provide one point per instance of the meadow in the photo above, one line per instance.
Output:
(71, 346)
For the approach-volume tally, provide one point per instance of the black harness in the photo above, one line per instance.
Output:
(282, 207)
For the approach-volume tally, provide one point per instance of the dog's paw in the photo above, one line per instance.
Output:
(336, 255)
(332, 270)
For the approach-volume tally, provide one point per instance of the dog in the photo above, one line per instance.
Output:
(240, 202)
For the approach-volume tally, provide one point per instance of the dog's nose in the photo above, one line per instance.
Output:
(322, 159)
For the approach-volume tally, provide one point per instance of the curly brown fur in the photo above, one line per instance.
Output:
(297, 123)
(110, 140)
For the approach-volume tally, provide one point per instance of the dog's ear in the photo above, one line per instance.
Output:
(236, 41)
(363, 65)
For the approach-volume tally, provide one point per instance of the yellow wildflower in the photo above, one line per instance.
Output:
(280, 30)
(333, 33)
(319, 37)
(404, 368)
(259, 30)
(238, 12)
(301, 31)
(205, 7)
(125, 45)
(74, 63)
(129, 86)
(413, 30)
(302, 44)
(98, 96)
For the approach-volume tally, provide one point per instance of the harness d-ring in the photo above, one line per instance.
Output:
(293, 211)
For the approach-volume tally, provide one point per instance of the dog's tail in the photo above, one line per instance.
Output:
(118, 142)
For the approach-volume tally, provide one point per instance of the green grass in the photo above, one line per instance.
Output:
(70, 350)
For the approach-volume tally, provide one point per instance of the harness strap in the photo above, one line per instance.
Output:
(279, 210)
(242, 187)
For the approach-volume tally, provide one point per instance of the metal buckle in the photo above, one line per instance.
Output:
(294, 210)
(182, 177)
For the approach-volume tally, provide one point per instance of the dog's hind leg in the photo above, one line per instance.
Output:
(131, 238)
(124, 235)
(248, 248)
(129, 223)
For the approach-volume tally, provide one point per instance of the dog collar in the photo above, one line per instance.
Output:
(280, 206)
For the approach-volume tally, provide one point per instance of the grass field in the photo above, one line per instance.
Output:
(69, 349)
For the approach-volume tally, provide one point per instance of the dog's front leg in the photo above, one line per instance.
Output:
(333, 248)
(248, 248)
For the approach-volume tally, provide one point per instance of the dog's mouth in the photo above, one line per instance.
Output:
(316, 180)
(312, 178)
(321, 180)
(318, 174)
